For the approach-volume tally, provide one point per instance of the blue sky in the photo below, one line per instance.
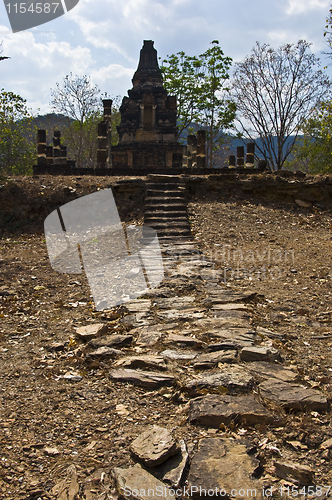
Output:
(103, 38)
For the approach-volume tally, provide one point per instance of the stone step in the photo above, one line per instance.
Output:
(170, 225)
(165, 214)
(173, 232)
(164, 178)
(164, 197)
(165, 189)
(165, 204)
(148, 220)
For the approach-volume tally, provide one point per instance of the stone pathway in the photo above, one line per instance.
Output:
(194, 337)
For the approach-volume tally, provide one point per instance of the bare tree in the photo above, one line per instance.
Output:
(79, 100)
(3, 57)
(274, 91)
(328, 33)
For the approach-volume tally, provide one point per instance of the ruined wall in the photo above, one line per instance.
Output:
(26, 201)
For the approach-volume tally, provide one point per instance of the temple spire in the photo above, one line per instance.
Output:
(148, 72)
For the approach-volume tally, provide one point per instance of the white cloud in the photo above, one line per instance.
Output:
(35, 67)
(296, 7)
(103, 39)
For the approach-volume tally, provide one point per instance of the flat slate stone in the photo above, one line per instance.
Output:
(262, 370)
(136, 319)
(223, 323)
(220, 312)
(150, 380)
(148, 339)
(271, 335)
(112, 341)
(211, 360)
(182, 341)
(175, 303)
(154, 446)
(290, 471)
(136, 483)
(214, 409)
(222, 346)
(138, 305)
(144, 361)
(104, 352)
(172, 470)
(222, 465)
(293, 396)
(223, 297)
(232, 379)
(151, 335)
(89, 332)
(258, 353)
(178, 355)
(175, 314)
(230, 307)
(239, 337)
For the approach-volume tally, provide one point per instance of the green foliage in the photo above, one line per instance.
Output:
(180, 74)
(217, 113)
(17, 135)
(199, 84)
(315, 148)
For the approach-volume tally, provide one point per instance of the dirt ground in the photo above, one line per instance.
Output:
(48, 423)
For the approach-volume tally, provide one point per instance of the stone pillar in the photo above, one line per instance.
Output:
(185, 157)
(231, 161)
(41, 147)
(240, 156)
(107, 119)
(201, 148)
(63, 151)
(191, 150)
(57, 147)
(250, 158)
(102, 145)
(49, 155)
(262, 164)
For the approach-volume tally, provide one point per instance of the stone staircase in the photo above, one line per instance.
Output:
(166, 207)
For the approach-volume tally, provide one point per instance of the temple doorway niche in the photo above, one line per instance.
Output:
(147, 117)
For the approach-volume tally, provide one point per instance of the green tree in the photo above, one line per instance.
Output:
(199, 84)
(315, 147)
(17, 135)
(275, 91)
(216, 111)
(180, 73)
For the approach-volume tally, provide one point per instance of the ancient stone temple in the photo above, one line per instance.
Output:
(147, 132)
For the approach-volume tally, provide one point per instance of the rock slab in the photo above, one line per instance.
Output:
(154, 446)
(214, 409)
(89, 332)
(136, 483)
(223, 466)
(150, 380)
(293, 396)
(232, 379)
